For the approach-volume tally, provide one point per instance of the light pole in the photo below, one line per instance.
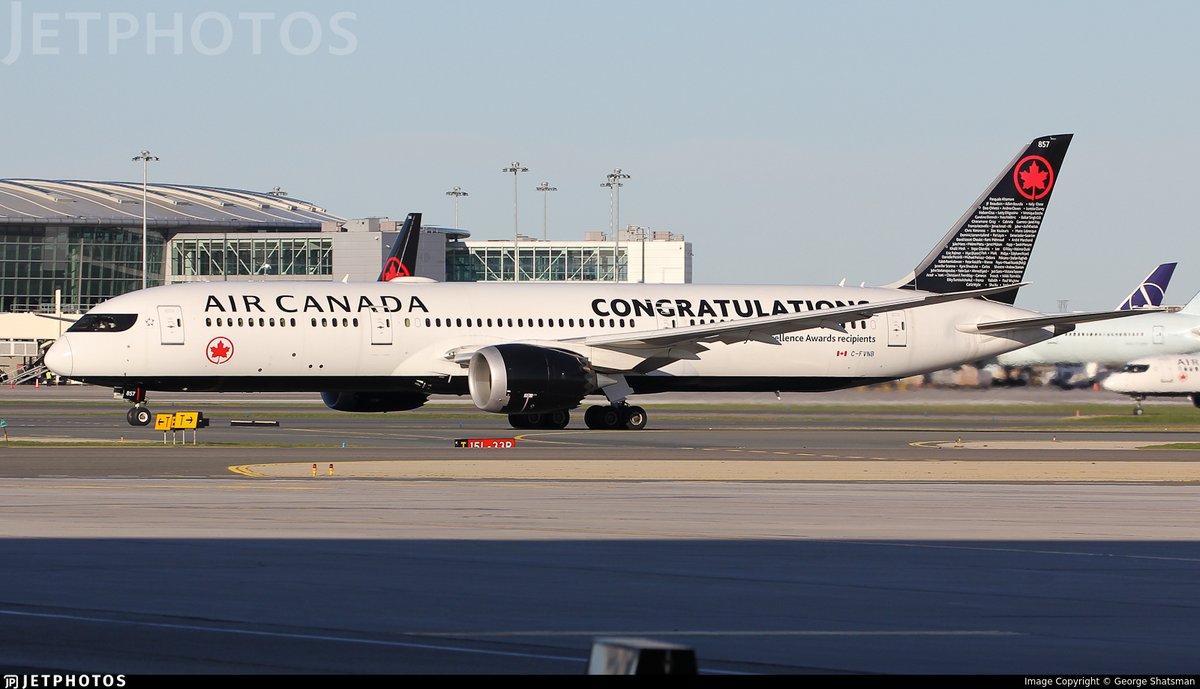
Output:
(545, 187)
(614, 216)
(457, 193)
(515, 168)
(145, 157)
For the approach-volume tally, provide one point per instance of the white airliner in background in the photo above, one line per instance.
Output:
(1118, 342)
(1158, 376)
(535, 351)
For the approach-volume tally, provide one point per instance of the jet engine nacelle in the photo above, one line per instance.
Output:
(521, 378)
(342, 400)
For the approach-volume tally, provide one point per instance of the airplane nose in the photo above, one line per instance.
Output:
(59, 359)
(1113, 383)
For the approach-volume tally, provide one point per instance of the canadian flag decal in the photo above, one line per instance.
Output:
(842, 352)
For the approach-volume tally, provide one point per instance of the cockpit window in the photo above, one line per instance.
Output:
(103, 323)
(1135, 368)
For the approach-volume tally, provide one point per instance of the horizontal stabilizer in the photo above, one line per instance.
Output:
(1062, 319)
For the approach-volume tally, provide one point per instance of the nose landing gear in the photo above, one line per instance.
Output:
(139, 415)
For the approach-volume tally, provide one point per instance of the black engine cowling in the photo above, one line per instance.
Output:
(521, 378)
(343, 400)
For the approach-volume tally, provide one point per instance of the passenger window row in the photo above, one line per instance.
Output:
(261, 322)
(519, 322)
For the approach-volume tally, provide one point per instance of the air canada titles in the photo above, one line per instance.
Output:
(667, 308)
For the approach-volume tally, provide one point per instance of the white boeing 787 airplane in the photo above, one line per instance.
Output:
(535, 351)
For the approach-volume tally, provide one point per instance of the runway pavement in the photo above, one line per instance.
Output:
(962, 540)
(519, 577)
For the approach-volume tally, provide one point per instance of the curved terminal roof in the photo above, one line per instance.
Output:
(76, 202)
(451, 233)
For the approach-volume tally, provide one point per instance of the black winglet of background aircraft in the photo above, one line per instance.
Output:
(990, 244)
(402, 262)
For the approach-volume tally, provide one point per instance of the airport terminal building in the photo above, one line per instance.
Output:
(83, 240)
(67, 245)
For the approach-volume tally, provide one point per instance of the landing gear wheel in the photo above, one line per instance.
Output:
(591, 418)
(610, 417)
(633, 418)
(138, 416)
(1137, 411)
(554, 419)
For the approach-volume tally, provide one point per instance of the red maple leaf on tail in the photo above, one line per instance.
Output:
(1033, 178)
(394, 269)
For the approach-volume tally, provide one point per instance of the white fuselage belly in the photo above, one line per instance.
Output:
(286, 330)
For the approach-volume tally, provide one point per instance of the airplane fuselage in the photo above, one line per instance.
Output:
(411, 336)
(1159, 376)
(1113, 343)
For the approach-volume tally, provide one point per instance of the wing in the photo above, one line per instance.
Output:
(650, 349)
(764, 328)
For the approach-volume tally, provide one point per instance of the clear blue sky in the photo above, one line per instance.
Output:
(792, 142)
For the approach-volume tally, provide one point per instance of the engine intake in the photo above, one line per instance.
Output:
(343, 400)
(521, 378)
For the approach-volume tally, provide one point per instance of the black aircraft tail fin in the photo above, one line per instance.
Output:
(991, 243)
(402, 262)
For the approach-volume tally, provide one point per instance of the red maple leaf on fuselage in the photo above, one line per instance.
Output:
(220, 351)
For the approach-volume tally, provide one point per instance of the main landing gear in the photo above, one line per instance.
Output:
(610, 417)
(618, 416)
(553, 419)
(139, 415)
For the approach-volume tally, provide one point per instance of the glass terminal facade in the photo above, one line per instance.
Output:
(88, 265)
(252, 256)
(538, 263)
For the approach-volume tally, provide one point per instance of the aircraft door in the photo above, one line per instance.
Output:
(1167, 374)
(897, 329)
(170, 325)
(1158, 334)
(381, 328)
